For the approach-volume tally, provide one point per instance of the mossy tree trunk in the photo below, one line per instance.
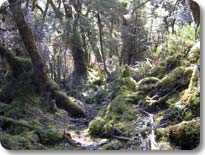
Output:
(41, 79)
(80, 66)
(39, 68)
(75, 42)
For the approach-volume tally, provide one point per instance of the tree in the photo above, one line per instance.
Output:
(134, 36)
(74, 41)
(43, 83)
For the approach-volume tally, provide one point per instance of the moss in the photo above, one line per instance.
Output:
(31, 136)
(129, 83)
(194, 53)
(50, 136)
(113, 145)
(24, 107)
(161, 134)
(191, 102)
(108, 129)
(71, 105)
(159, 71)
(173, 99)
(173, 61)
(188, 116)
(186, 135)
(15, 127)
(19, 142)
(117, 116)
(53, 85)
(194, 104)
(22, 65)
(126, 73)
(179, 77)
(147, 84)
(95, 126)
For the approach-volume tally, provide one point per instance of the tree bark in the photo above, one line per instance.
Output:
(101, 44)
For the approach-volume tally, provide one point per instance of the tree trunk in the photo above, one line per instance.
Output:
(75, 43)
(39, 69)
(101, 44)
(195, 9)
(80, 66)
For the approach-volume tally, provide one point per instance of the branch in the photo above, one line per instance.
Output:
(37, 6)
(141, 5)
(56, 10)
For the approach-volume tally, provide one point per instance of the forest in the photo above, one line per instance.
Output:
(100, 74)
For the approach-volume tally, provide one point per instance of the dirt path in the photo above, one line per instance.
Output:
(78, 129)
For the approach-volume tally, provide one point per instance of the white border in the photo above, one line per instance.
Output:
(199, 151)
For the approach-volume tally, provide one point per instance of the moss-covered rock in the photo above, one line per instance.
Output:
(113, 145)
(95, 126)
(20, 142)
(50, 136)
(178, 78)
(114, 118)
(185, 135)
(191, 103)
